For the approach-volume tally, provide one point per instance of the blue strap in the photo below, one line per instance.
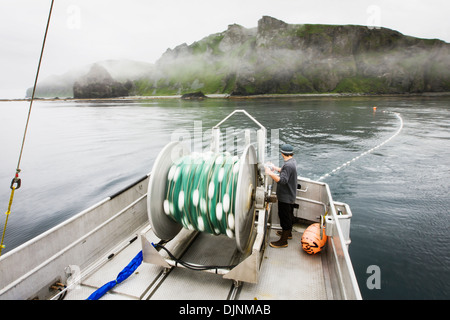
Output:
(123, 275)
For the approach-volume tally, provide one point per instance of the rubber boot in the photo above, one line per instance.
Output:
(282, 243)
(289, 236)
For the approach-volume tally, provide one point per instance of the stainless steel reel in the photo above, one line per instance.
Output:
(165, 228)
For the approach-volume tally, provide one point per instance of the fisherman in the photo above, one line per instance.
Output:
(286, 193)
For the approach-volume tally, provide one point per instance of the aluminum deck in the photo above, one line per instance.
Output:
(93, 247)
(297, 274)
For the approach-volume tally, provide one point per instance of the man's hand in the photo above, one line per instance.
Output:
(271, 174)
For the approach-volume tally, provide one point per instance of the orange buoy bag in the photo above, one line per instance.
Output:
(311, 241)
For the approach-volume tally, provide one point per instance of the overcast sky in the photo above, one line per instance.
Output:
(85, 31)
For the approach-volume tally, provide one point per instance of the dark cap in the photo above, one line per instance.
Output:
(287, 150)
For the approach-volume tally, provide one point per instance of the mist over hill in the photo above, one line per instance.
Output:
(280, 58)
(62, 86)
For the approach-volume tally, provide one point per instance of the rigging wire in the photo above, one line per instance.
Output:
(16, 181)
(368, 151)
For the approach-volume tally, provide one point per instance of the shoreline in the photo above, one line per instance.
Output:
(248, 97)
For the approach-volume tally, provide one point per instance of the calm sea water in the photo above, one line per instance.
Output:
(78, 153)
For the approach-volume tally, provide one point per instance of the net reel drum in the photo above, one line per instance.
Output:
(173, 205)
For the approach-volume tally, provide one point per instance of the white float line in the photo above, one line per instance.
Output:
(368, 151)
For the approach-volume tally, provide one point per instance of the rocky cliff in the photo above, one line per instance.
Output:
(98, 83)
(276, 57)
(62, 86)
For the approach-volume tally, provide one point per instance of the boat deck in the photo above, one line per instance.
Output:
(297, 274)
(91, 249)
